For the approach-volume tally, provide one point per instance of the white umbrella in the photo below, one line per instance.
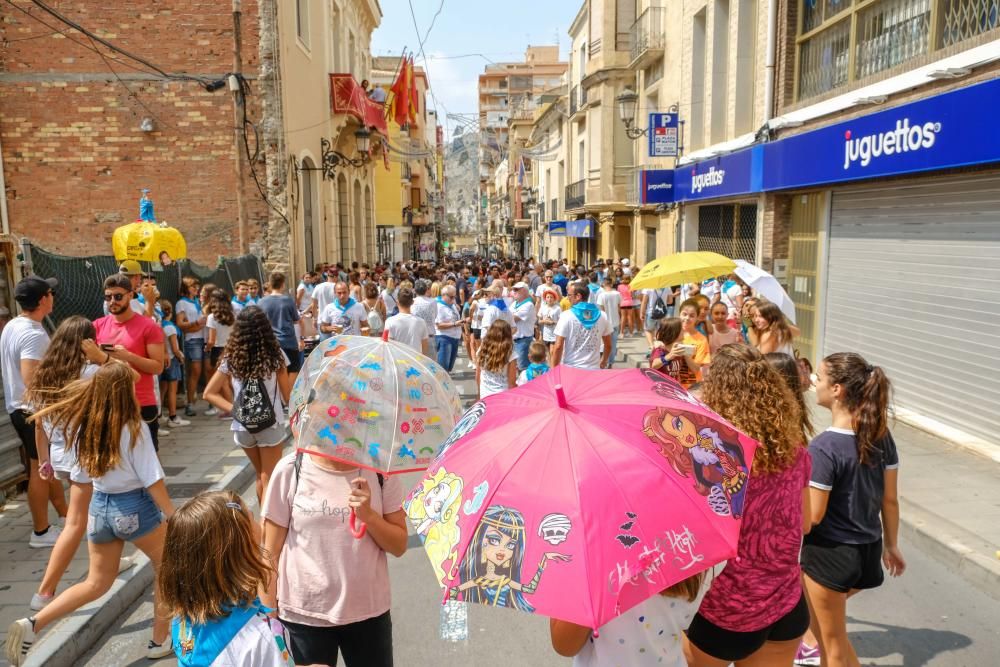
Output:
(767, 286)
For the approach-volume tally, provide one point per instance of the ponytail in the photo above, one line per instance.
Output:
(867, 395)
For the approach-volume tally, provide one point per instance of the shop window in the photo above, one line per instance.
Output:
(650, 244)
(729, 229)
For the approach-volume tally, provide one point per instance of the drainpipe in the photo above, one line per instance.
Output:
(4, 221)
(769, 57)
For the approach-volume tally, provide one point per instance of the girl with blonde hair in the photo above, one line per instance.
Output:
(100, 417)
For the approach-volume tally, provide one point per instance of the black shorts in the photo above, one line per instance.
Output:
(25, 431)
(477, 334)
(367, 643)
(295, 359)
(842, 567)
(732, 646)
(151, 415)
(216, 353)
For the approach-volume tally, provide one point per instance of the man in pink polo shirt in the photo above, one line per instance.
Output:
(137, 340)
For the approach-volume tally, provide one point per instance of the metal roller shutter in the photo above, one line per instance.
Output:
(914, 286)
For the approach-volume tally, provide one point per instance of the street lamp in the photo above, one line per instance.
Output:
(628, 103)
(333, 159)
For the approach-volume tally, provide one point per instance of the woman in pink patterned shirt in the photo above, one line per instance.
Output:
(755, 612)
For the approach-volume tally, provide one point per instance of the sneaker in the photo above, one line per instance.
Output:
(471, 365)
(226, 416)
(211, 412)
(46, 541)
(39, 601)
(189, 411)
(807, 655)
(164, 420)
(20, 637)
(125, 563)
(156, 651)
(163, 431)
(176, 421)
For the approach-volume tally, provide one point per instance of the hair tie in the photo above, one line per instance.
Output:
(234, 506)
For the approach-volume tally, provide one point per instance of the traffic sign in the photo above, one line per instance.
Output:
(663, 135)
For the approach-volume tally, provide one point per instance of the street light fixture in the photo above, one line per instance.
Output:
(628, 103)
(334, 159)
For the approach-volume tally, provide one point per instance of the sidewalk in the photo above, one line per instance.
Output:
(195, 458)
(949, 502)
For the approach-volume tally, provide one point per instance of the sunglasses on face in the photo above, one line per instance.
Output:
(116, 296)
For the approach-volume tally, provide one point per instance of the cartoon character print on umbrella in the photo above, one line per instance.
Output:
(465, 425)
(491, 570)
(667, 387)
(693, 443)
(433, 509)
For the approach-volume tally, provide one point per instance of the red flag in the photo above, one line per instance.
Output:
(401, 94)
(414, 97)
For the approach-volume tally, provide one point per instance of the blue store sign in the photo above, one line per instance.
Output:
(737, 173)
(657, 186)
(953, 129)
(574, 228)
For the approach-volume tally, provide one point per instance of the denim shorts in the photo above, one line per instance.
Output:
(174, 372)
(269, 437)
(194, 349)
(122, 516)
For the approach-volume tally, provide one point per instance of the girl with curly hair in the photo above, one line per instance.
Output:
(771, 332)
(496, 368)
(66, 360)
(253, 352)
(755, 612)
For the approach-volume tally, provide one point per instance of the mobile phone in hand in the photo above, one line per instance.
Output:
(108, 347)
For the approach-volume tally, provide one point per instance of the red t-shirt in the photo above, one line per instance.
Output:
(763, 583)
(133, 335)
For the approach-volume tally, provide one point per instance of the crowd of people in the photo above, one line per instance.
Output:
(293, 587)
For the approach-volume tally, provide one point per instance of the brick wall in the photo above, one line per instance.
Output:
(74, 155)
(776, 229)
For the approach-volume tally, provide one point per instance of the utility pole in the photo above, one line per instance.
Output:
(235, 87)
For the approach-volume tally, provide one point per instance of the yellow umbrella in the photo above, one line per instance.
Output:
(146, 240)
(680, 268)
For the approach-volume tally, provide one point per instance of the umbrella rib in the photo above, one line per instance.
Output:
(579, 503)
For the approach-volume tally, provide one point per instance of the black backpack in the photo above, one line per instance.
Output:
(659, 309)
(253, 409)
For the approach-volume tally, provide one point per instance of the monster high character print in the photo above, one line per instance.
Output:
(464, 426)
(697, 445)
(433, 509)
(491, 570)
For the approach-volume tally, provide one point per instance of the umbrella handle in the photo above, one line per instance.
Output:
(358, 533)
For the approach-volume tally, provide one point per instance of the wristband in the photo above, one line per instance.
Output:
(107, 356)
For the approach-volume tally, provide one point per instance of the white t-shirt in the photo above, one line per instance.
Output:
(493, 314)
(62, 460)
(323, 295)
(525, 326)
(270, 384)
(222, 331)
(445, 315)
(651, 633)
(170, 329)
(552, 312)
(350, 319)
(493, 383)
(651, 295)
(426, 309)
(193, 311)
(478, 309)
(22, 338)
(307, 299)
(730, 296)
(389, 300)
(550, 287)
(408, 329)
(582, 346)
(609, 301)
(139, 467)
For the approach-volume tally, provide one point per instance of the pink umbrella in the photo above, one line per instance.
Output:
(581, 494)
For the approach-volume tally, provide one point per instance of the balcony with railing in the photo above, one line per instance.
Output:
(577, 99)
(647, 37)
(576, 194)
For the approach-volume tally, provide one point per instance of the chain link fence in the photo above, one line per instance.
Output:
(81, 279)
(729, 229)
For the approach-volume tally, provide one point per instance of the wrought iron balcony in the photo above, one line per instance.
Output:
(577, 99)
(576, 194)
(647, 37)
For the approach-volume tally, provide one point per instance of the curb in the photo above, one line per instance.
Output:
(77, 633)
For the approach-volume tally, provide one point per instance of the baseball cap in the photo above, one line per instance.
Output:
(521, 285)
(625, 262)
(32, 289)
(130, 267)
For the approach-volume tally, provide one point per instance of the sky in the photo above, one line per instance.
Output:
(500, 31)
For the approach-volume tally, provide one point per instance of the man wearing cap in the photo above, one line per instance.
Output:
(524, 323)
(22, 345)
(136, 340)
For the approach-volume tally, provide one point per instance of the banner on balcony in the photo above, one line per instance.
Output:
(953, 129)
(347, 96)
(663, 135)
(583, 229)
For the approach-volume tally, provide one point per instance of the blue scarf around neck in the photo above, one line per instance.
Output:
(500, 304)
(344, 308)
(534, 370)
(587, 313)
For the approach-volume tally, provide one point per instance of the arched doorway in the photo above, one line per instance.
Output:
(369, 224)
(309, 213)
(342, 219)
(359, 225)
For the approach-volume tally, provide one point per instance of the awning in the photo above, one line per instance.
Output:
(574, 228)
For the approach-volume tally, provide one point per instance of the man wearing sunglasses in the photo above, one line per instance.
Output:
(138, 341)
